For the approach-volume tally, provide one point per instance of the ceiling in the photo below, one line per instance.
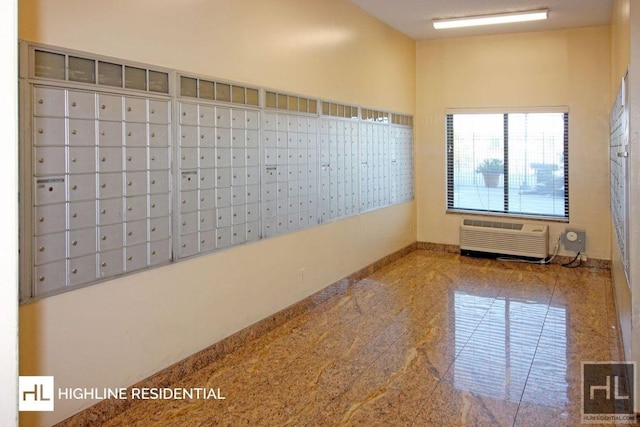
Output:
(413, 17)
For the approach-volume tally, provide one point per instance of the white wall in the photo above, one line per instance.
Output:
(116, 333)
(9, 215)
(543, 69)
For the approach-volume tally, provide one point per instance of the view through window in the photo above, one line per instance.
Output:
(513, 163)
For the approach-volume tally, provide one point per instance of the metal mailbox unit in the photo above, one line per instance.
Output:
(99, 162)
(126, 166)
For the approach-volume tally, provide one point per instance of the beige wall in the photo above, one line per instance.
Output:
(559, 68)
(118, 332)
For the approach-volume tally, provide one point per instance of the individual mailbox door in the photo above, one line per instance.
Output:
(109, 107)
(207, 199)
(50, 277)
(238, 119)
(82, 105)
(49, 161)
(49, 190)
(135, 184)
(207, 178)
(207, 220)
(223, 177)
(207, 116)
(223, 197)
(109, 159)
(135, 159)
(135, 134)
(238, 215)
(246, 176)
(207, 241)
(49, 131)
(223, 117)
(110, 211)
(270, 191)
(282, 139)
(82, 160)
(189, 223)
(252, 139)
(110, 185)
(223, 217)
(110, 237)
(271, 209)
(50, 219)
(271, 227)
(158, 136)
(82, 270)
(158, 182)
(253, 231)
(238, 234)
(188, 136)
(282, 224)
(82, 187)
(188, 201)
(269, 121)
(238, 195)
(252, 120)
(270, 139)
(82, 242)
(159, 228)
(110, 263)
(110, 134)
(253, 193)
(81, 133)
(188, 158)
(188, 114)
(159, 252)
(252, 157)
(223, 137)
(158, 158)
(50, 247)
(135, 110)
(158, 111)
(207, 157)
(223, 237)
(136, 257)
(223, 157)
(49, 102)
(207, 137)
(271, 156)
(253, 212)
(135, 208)
(238, 157)
(82, 214)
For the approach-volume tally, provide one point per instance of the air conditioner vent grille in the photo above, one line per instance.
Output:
(492, 224)
(530, 240)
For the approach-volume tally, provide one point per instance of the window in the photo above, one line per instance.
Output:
(514, 163)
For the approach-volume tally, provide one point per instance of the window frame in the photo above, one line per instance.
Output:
(450, 161)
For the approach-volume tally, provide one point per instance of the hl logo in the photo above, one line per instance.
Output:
(607, 389)
(35, 393)
(608, 392)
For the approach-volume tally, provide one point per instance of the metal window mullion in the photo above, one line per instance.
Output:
(506, 162)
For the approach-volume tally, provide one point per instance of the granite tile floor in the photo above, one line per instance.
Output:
(432, 339)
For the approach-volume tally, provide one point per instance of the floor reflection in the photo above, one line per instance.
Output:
(497, 339)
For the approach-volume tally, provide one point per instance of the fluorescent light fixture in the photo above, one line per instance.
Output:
(500, 18)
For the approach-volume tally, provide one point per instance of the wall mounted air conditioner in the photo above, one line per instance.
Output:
(505, 238)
